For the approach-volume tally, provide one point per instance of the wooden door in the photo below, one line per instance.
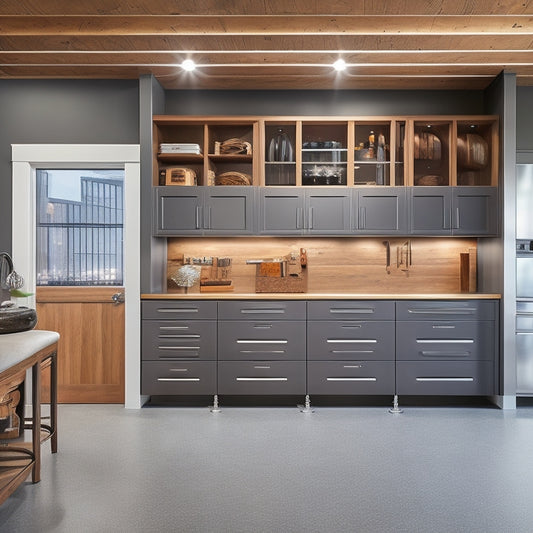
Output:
(90, 359)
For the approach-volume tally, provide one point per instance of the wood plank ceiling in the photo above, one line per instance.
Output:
(271, 44)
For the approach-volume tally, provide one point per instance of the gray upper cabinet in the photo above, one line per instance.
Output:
(430, 210)
(380, 210)
(281, 211)
(475, 210)
(203, 211)
(453, 211)
(323, 211)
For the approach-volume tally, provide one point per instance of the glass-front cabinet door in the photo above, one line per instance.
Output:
(431, 153)
(324, 153)
(280, 153)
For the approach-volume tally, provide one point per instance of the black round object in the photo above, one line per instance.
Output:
(14, 319)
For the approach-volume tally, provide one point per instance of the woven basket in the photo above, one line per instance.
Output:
(233, 178)
(235, 146)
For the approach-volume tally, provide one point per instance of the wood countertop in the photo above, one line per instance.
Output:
(319, 296)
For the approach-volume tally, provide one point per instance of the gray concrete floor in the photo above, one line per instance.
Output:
(274, 469)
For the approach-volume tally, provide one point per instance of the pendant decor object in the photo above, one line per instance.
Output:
(280, 148)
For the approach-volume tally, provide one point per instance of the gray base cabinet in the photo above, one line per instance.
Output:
(350, 347)
(321, 347)
(446, 347)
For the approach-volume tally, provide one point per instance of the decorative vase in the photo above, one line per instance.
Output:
(280, 148)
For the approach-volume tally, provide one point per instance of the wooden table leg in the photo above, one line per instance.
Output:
(36, 420)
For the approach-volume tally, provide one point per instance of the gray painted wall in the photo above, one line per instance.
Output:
(318, 102)
(61, 111)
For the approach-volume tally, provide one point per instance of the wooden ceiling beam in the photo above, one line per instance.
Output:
(267, 25)
(271, 7)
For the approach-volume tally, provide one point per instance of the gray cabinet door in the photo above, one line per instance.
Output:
(229, 210)
(280, 340)
(430, 210)
(459, 378)
(178, 211)
(281, 211)
(350, 377)
(328, 212)
(381, 211)
(261, 377)
(350, 340)
(475, 211)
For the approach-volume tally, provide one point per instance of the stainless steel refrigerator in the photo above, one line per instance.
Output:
(524, 279)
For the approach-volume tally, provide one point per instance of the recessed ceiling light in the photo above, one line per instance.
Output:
(339, 65)
(188, 65)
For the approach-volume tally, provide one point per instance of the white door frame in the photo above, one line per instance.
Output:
(27, 158)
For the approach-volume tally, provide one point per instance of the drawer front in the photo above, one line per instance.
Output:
(461, 378)
(176, 339)
(441, 340)
(268, 377)
(350, 340)
(350, 377)
(267, 310)
(350, 310)
(179, 309)
(446, 310)
(261, 340)
(172, 378)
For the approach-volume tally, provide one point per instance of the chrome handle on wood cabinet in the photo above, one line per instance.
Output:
(118, 298)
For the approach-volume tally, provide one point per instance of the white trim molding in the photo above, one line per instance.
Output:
(27, 158)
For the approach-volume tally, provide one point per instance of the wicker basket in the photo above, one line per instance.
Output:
(233, 178)
(233, 146)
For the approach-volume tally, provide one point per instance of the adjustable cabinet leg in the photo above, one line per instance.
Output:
(307, 407)
(215, 408)
(395, 409)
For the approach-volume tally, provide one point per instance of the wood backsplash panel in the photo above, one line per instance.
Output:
(340, 264)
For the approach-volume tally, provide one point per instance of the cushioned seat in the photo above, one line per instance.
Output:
(15, 347)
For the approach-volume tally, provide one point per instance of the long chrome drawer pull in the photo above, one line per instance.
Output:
(352, 351)
(351, 379)
(178, 336)
(262, 326)
(263, 311)
(261, 351)
(352, 326)
(350, 311)
(168, 328)
(178, 369)
(178, 379)
(436, 353)
(261, 379)
(444, 379)
(262, 367)
(179, 347)
(445, 341)
(442, 326)
(351, 341)
(252, 341)
(445, 311)
(176, 310)
(352, 366)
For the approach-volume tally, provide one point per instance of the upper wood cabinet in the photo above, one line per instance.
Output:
(420, 151)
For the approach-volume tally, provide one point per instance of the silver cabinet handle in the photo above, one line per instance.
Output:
(310, 212)
(262, 367)
(457, 219)
(443, 311)
(359, 311)
(178, 379)
(262, 326)
(263, 311)
(352, 366)
(351, 341)
(435, 353)
(254, 341)
(352, 351)
(261, 379)
(351, 379)
(172, 328)
(198, 222)
(362, 218)
(445, 341)
(444, 379)
(178, 336)
(179, 310)
(262, 351)
(178, 347)
(439, 326)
